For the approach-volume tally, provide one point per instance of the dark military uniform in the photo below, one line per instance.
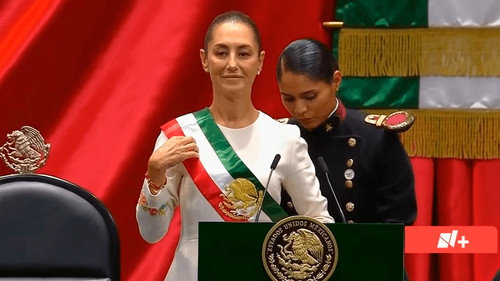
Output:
(368, 167)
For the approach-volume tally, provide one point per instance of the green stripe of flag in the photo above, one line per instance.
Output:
(382, 13)
(379, 92)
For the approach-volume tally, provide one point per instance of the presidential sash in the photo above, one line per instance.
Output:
(220, 175)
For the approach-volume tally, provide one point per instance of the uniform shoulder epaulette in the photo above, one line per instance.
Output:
(398, 121)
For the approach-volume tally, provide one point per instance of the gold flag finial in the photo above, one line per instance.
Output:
(333, 24)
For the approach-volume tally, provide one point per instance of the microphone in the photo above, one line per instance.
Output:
(276, 159)
(324, 169)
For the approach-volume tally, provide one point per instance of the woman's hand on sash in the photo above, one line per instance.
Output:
(175, 150)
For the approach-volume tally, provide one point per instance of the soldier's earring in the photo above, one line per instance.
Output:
(206, 69)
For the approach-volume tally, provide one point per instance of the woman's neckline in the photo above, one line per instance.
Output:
(244, 122)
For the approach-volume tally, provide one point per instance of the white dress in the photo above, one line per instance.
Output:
(256, 145)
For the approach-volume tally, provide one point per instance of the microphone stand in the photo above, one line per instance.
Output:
(324, 169)
(276, 159)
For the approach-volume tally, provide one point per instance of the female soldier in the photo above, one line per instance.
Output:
(370, 171)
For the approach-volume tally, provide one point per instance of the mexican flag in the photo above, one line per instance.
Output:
(438, 58)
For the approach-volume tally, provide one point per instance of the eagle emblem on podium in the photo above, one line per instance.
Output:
(299, 248)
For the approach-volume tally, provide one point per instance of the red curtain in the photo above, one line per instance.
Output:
(98, 79)
(456, 192)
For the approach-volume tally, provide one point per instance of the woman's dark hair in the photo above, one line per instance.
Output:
(232, 16)
(307, 57)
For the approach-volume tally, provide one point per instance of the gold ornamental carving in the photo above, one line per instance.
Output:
(25, 151)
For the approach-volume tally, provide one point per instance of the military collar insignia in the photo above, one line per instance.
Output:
(328, 127)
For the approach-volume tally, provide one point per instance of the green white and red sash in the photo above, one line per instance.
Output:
(218, 164)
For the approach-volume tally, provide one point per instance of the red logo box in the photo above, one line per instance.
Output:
(451, 239)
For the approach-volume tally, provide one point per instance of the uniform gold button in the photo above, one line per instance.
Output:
(348, 183)
(351, 142)
(289, 204)
(349, 206)
(349, 163)
(350, 221)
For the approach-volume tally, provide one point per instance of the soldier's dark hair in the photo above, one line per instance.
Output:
(232, 16)
(307, 57)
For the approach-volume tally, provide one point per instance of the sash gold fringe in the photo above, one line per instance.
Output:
(461, 134)
(419, 52)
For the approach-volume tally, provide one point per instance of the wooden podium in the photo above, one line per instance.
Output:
(233, 251)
